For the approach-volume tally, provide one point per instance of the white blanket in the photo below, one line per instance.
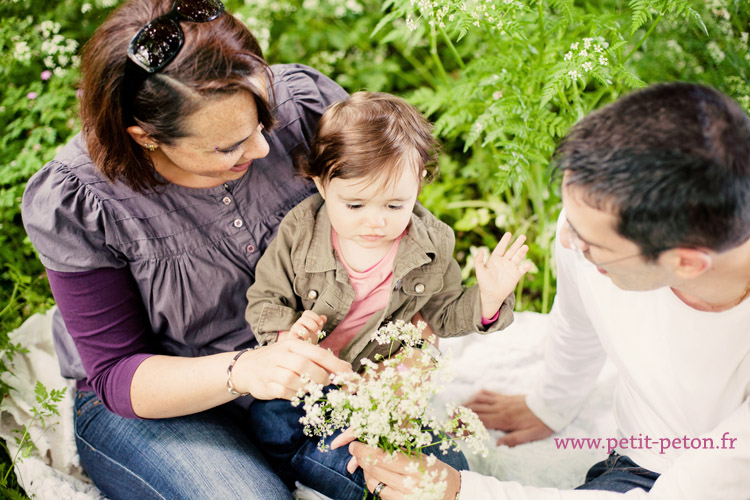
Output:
(507, 362)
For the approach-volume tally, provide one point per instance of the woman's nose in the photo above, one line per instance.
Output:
(257, 147)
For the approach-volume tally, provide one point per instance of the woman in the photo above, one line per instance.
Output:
(150, 223)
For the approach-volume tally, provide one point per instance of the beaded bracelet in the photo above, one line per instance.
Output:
(230, 385)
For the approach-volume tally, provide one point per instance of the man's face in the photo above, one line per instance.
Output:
(592, 233)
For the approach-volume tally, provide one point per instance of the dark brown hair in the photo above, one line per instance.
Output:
(672, 161)
(370, 134)
(218, 58)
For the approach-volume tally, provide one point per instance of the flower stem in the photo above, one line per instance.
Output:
(435, 55)
(643, 38)
(452, 49)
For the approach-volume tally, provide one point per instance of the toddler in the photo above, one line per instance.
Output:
(362, 253)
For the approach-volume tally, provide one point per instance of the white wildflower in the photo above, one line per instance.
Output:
(715, 51)
(21, 52)
(387, 405)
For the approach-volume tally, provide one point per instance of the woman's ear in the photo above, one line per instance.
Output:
(142, 138)
(319, 185)
(687, 263)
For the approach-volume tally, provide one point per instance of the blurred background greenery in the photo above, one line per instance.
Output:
(502, 80)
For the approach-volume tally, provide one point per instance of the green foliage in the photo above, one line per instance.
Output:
(39, 42)
(45, 408)
(503, 82)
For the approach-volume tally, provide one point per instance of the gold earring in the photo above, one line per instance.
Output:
(150, 147)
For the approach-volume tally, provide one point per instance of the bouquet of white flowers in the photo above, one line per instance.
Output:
(387, 404)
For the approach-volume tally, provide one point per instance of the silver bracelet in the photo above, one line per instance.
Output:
(230, 385)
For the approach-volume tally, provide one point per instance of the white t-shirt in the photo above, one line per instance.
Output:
(684, 381)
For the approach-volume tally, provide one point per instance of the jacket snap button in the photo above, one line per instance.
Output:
(312, 294)
(419, 288)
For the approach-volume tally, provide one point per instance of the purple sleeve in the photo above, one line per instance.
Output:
(103, 312)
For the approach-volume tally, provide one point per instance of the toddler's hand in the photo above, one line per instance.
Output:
(499, 276)
(306, 327)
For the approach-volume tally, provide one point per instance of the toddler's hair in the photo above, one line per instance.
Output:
(371, 134)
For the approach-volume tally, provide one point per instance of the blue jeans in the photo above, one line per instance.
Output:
(618, 473)
(295, 456)
(201, 456)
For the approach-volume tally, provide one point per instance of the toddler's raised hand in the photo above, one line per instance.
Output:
(306, 327)
(500, 274)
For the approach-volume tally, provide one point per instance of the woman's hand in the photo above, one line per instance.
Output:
(500, 274)
(509, 414)
(392, 472)
(274, 371)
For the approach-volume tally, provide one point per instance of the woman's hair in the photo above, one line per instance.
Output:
(373, 135)
(218, 58)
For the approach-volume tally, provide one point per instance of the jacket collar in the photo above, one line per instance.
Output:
(321, 257)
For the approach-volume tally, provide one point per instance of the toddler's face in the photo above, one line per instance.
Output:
(371, 213)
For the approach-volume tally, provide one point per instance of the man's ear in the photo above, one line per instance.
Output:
(687, 263)
(319, 185)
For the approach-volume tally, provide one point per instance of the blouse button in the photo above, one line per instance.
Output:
(250, 248)
(226, 200)
(419, 288)
(312, 294)
(237, 222)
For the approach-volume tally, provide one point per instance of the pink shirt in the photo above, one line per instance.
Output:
(372, 290)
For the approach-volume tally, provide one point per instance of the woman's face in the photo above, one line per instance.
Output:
(223, 138)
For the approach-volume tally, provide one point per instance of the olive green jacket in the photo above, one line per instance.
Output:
(299, 271)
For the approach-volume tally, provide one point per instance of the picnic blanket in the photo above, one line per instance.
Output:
(507, 361)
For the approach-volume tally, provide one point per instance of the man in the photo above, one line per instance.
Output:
(653, 271)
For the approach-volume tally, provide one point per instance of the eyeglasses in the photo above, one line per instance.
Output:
(158, 42)
(577, 244)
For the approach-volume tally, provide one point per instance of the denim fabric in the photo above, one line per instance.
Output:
(296, 457)
(201, 456)
(618, 473)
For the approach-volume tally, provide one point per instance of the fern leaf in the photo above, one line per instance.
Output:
(641, 14)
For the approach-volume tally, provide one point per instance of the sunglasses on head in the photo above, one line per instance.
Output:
(158, 42)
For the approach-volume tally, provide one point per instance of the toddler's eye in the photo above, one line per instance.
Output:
(353, 206)
(395, 207)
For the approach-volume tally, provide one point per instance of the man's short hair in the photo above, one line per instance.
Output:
(672, 161)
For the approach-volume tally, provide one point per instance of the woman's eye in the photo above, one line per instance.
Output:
(229, 151)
